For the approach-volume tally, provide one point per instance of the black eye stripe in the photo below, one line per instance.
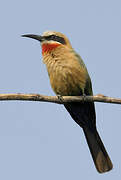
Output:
(55, 38)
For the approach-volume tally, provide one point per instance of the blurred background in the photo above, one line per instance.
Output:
(40, 140)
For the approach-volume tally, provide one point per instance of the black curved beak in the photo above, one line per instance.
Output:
(33, 36)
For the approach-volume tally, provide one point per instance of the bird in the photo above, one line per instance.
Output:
(69, 77)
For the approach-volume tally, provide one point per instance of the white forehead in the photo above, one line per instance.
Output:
(48, 33)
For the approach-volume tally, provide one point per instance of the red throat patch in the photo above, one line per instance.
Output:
(49, 47)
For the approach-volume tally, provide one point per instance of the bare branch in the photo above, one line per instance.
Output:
(62, 100)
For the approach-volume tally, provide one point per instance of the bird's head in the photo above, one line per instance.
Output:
(50, 40)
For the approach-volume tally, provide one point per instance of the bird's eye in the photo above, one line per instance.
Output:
(53, 37)
(56, 38)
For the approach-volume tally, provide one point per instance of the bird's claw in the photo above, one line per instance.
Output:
(60, 98)
(84, 97)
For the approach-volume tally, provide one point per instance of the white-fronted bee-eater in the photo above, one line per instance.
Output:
(69, 77)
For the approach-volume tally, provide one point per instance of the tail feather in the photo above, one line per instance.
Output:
(98, 151)
(84, 115)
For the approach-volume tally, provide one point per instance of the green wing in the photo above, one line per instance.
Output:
(88, 86)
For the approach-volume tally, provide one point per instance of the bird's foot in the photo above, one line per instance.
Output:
(84, 97)
(60, 98)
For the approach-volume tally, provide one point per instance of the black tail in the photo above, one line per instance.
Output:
(84, 115)
(98, 151)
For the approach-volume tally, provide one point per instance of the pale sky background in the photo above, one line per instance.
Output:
(40, 140)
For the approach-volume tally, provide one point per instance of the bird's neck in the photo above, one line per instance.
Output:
(49, 47)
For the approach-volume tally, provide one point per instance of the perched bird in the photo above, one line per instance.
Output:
(69, 77)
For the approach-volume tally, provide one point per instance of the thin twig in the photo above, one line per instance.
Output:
(55, 99)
